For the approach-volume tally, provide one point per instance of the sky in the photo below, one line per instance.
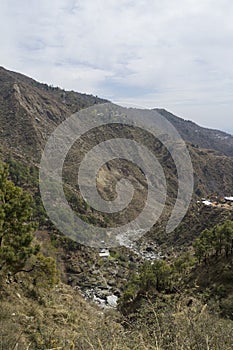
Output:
(172, 54)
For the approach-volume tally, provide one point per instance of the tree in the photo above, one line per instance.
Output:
(183, 264)
(44, 273)
(150, 278)
(154, 276)
(203, 245)
(215, 241)
(16, 225)
(226, 234)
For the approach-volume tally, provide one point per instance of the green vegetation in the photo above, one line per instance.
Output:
(215, 241)
(18, 250)
(21, 174)
(16, 226)
(157, 277)
(150, 277)
(161, 307)
(164, 277)
(183, 303)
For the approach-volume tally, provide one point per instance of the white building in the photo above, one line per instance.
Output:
(229, 199)
(104, 253)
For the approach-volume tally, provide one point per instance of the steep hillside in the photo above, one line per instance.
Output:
(198, 218)
(35, 107)
(71, 99)
(203, 137)
(30, 111)
(37, 317)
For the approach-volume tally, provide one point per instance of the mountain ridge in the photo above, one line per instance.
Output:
(73, 101)
(203, 137)
(30, 112)
(61, 318)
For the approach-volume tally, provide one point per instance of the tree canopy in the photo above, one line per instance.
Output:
(16, 225)
(215, 241)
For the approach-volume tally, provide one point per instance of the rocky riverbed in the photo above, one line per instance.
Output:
(103, 280)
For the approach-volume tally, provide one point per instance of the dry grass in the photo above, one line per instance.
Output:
(61, 319)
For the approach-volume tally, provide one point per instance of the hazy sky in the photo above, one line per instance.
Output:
(175, 54)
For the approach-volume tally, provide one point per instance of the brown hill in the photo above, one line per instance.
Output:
(30, 111)
(199, 136)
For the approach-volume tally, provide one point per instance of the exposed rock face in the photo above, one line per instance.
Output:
(30, 111)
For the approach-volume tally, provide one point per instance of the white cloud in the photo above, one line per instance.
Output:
(175, 54)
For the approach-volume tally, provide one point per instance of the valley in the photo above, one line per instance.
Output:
(159, 291)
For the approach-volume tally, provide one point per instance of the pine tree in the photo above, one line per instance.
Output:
(215, 241)
(16, 225)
